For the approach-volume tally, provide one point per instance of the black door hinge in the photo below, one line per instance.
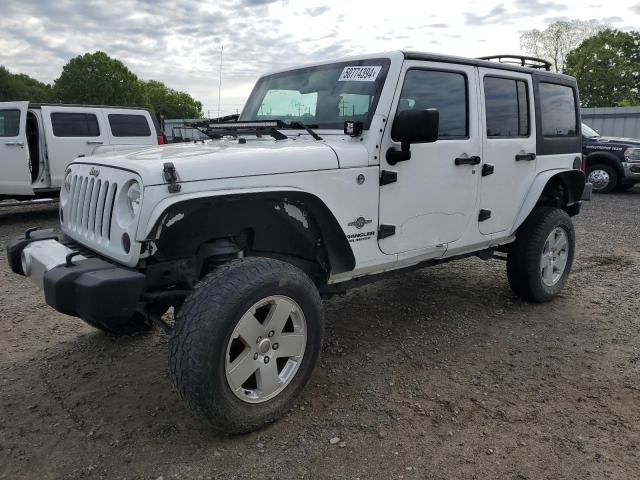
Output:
(386, 231)
(484, 215)
(387, 177)
(487, 169)
(171, 176)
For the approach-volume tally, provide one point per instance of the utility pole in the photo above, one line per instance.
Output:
(220, 80)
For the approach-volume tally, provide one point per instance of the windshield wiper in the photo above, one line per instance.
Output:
(307, 128)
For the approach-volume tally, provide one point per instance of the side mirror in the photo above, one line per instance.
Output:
(412, 126)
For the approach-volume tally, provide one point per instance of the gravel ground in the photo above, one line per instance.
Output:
(439, 373)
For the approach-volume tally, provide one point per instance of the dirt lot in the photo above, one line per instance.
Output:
(441, 373)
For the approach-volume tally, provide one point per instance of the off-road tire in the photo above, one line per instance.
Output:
(523, 260)
(203, 328)
(135, 325)
(613, 177)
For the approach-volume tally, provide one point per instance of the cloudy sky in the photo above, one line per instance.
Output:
(178, 41)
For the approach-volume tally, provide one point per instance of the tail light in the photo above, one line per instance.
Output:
(161, 140)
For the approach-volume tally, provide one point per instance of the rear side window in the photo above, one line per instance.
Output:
(507, 107)
(558, 110)
(123, 125)
(75, 125)
(9, 123)
(446, 91)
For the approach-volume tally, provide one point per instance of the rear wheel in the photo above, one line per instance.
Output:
(540, 259)
(246, 342)
(603, 177)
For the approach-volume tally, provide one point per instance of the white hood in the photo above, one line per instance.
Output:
(223, 159)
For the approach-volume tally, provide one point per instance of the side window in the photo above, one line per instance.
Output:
(558, 110)
(75, 125)
(446, 91)
(507, 107)
(123, 125)
(9, 123)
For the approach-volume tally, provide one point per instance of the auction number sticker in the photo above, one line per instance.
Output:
(360, 74)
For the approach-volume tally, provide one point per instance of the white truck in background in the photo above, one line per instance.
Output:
(38, 141)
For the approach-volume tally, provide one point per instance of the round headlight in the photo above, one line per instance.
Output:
(67, 181)
(133, 198)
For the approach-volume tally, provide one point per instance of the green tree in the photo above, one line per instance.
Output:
(170, 103)
(607, 67)
(556, 41)
(22, 87)
(96, 78)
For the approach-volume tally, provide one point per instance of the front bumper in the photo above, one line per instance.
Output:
(89, 288)
(631, 172)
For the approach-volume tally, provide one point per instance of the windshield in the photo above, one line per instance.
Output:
(323, 97)
(589, 132)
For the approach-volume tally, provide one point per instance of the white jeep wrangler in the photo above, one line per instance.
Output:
(333, 174)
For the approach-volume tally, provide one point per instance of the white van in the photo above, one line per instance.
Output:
(38, 141)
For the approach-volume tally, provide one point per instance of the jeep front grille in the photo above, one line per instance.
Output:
(91, 207)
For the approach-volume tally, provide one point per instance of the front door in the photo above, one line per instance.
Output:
(15, 178)
(432, 203)
(509, 146)
(71, 132)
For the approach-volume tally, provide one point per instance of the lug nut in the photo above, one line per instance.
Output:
(258, 340)
(271, 333)
(266, 359)
(275, 346)
(255, 356)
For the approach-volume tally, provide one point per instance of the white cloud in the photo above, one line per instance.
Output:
(178, 41)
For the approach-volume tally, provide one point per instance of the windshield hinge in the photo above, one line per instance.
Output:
(171, 176)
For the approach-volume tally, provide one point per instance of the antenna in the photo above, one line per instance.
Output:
(220, 79)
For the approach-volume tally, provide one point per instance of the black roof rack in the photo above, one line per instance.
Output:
(523, 61)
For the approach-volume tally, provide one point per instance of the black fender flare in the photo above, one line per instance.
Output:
(313, 221)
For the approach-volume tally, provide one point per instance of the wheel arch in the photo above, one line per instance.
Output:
(558, 188)
(606, 158)
(280, 223)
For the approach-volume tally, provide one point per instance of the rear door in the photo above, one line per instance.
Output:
(130, 127)
(509, 146)
(15, 178)
(71, 132)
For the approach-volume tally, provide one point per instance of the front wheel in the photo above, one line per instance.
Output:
(540, 259)
(246, 342)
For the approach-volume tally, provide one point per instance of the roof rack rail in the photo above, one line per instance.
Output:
(523, 61)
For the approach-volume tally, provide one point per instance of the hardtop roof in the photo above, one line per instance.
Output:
(433, 57)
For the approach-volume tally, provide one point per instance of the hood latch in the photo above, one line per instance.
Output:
(171, 176)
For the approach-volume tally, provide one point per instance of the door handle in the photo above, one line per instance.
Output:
(94, 142)
(15, 144)
(475, 160)
(525, 157)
